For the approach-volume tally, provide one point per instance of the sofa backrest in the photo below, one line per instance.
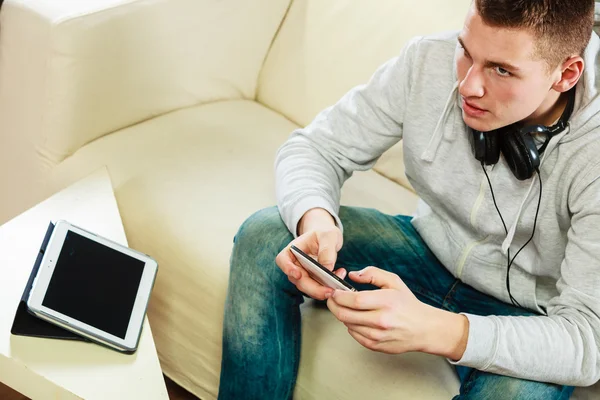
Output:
(72, 71)
(101, 65)
(324, 48)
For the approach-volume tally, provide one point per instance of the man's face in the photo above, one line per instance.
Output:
(501, 80)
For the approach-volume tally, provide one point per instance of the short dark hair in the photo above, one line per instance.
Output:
(562, 27)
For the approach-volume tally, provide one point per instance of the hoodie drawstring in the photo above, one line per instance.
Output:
(511, 232)
(434, 143)
(436, 139)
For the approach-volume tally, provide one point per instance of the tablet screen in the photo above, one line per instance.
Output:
(94, 284)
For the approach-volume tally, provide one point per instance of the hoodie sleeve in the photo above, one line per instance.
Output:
(313, 164)
(562, 347)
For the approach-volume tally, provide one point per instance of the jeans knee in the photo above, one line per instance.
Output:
(258, 241)
(262, 229)
(482, 385)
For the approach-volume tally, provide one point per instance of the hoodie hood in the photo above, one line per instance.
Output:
(586, 112)
(585, 117)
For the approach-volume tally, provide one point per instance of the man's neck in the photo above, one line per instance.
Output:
(550, 111)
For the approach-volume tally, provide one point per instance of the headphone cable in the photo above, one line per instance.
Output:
(510, 261)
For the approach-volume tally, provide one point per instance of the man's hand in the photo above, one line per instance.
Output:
(320, 238)
(392, 320)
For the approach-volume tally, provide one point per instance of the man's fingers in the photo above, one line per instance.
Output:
(364, 301)
(286, 261)
(378, 277)
(366, 342)
(321, 245)
(327, 253)
(350, 316)
(377, 335)
(308, 243)
(341, 273)
(310, 287)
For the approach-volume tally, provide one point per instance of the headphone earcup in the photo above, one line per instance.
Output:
(485, 146)
(520, 153)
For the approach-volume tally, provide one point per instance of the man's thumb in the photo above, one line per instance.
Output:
(327, 256)
(329, 245)
(378, 277)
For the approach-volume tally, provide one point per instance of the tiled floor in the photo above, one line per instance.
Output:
(175, 392)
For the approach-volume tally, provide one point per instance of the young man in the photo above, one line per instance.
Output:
(440, 278)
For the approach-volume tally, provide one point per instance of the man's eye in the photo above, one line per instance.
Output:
(502, 72)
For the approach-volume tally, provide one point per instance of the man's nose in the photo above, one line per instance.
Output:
(472, 85)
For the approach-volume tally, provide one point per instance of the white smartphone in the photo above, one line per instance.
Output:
(319, 273)
(93, 286)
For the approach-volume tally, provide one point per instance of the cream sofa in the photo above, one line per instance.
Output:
(186, 102)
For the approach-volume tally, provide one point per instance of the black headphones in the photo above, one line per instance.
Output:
(516, 143)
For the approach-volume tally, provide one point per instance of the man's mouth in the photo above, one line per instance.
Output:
(472, 110)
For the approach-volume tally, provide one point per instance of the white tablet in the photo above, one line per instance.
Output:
(93, 286)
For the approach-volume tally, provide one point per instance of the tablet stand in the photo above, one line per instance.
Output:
(27, 324)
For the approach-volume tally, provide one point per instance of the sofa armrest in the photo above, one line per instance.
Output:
(73, 71)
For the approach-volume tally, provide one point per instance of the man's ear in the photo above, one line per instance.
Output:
(569, 73)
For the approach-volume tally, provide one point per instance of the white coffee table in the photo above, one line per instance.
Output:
(65, 369)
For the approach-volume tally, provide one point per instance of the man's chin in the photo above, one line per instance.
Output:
(479, 124)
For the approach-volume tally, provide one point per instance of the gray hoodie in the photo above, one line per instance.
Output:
(415, 97)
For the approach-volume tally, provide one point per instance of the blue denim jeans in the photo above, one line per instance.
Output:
(261, 334)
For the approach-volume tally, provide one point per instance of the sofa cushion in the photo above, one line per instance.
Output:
(184, 183)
